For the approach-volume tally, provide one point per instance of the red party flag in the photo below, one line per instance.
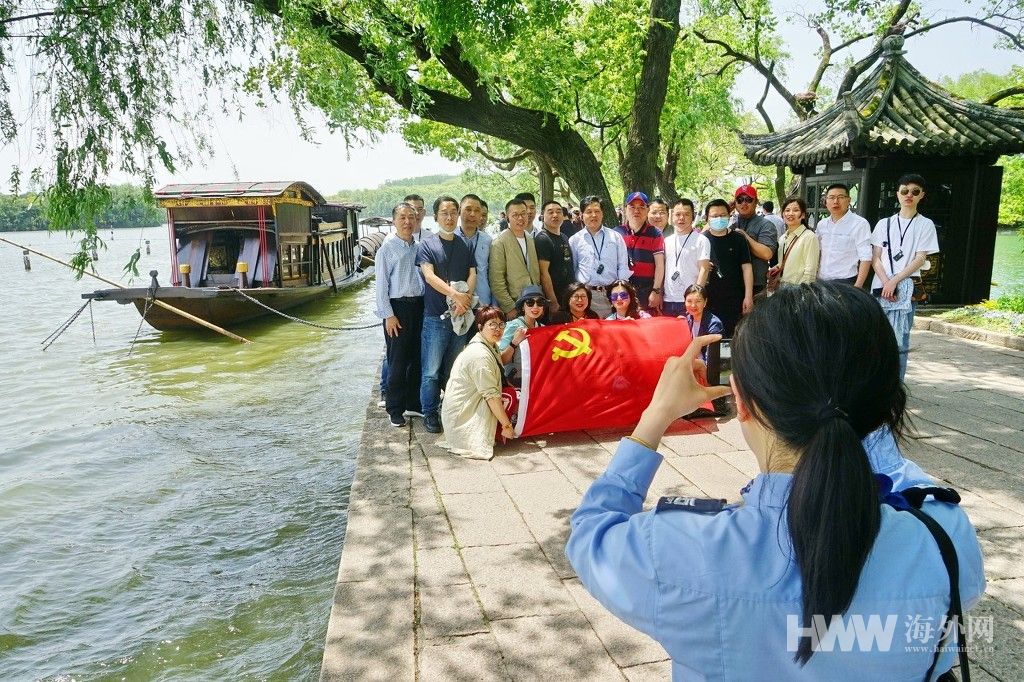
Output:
(594, 373)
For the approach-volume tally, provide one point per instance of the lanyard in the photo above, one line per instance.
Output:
(594, 242)
(679, 252)
(693, 332)
(522, 249)
(903, 232)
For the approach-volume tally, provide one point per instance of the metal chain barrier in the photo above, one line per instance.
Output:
(56, 333)
(149, 303)
(300, 320)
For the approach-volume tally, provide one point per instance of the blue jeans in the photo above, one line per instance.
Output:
(905, 343)
(437, 354)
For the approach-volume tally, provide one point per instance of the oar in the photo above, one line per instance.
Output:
(165, 306)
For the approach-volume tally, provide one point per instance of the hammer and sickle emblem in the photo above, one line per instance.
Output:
(579, 345)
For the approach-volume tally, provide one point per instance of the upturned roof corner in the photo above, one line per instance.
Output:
(895, 109)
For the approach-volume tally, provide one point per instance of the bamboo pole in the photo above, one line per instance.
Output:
(165, 306)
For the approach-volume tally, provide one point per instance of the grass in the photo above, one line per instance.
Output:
(1004, 314)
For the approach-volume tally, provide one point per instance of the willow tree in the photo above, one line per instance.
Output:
(126, 85)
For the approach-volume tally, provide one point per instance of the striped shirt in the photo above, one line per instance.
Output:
(641, 247)
(396, 273)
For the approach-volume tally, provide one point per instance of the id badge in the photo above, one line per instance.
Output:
(675, 276)
(898, 256)
(600, 268)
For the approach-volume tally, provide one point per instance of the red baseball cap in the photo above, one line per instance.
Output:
(748, 190)
(637, 196)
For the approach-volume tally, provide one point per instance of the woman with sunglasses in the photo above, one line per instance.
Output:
(901, 244)
(622, 295)
(757, 590)
(472, 406)
(575, 305)
(531, 306)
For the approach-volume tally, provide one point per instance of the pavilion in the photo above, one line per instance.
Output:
(896, 121)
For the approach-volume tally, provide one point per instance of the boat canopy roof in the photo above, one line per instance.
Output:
(238, 193)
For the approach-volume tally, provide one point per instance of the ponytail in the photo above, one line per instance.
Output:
(817, 365)
(833, 517)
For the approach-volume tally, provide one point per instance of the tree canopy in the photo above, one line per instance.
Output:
(598, 97)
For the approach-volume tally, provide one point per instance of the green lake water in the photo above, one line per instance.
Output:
(1008, 264)
(179, 513)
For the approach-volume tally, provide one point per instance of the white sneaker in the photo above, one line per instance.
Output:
(412, 413)
(382, 403)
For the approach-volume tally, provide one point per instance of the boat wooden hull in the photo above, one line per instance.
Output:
(222, 307)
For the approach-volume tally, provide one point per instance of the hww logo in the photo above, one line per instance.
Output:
(873, 635)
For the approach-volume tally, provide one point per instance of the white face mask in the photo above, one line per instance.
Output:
(719, 224)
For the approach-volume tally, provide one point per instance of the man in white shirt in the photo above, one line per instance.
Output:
(901, 244)
(600, 256)
(769, 215)
(845, 240)
(687, 258)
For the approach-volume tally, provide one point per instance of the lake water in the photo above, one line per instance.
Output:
(1008, 264)
(176, 514)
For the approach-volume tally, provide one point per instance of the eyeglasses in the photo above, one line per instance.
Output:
(581, 296)
(836, 197)
(448, 214)
(906, 190)
(533, 302)
(494, 324)
(744, 199)
(619, 296)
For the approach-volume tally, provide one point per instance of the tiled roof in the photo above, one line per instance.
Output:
(894, 110)
(238, 189)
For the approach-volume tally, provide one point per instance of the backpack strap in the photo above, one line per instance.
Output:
(910, 500)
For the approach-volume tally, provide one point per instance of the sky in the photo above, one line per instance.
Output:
(266, 144)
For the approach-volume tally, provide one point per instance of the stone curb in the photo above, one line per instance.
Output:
(971, 333)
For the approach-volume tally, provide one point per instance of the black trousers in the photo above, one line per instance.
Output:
(404, 356)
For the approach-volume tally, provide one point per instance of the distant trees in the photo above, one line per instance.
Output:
(1005, 90)
(127, 206)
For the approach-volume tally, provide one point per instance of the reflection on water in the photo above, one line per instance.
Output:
(176, 513)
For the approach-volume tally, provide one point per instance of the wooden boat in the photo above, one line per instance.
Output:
(238, 249)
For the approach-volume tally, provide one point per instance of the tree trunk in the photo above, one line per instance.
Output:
(545, 177)
(667, 176)
(640, 160)
(780, 187)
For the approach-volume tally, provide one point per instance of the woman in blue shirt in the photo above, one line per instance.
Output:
(743, 592)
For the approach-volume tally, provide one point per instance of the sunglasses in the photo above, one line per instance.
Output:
(533, 302)
(744, 199)
(619, 296)
(906, 190)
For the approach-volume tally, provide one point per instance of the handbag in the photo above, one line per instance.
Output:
(775, 273)
(920, 295)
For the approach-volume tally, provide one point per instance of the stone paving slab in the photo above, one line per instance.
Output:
(454, 569)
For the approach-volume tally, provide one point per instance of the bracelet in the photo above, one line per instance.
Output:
(641, 441)
(514, 345)
(658, 291)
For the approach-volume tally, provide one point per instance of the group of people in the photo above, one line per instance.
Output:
(431, 284)
(826, 530)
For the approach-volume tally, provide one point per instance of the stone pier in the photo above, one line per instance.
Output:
(454, 569)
